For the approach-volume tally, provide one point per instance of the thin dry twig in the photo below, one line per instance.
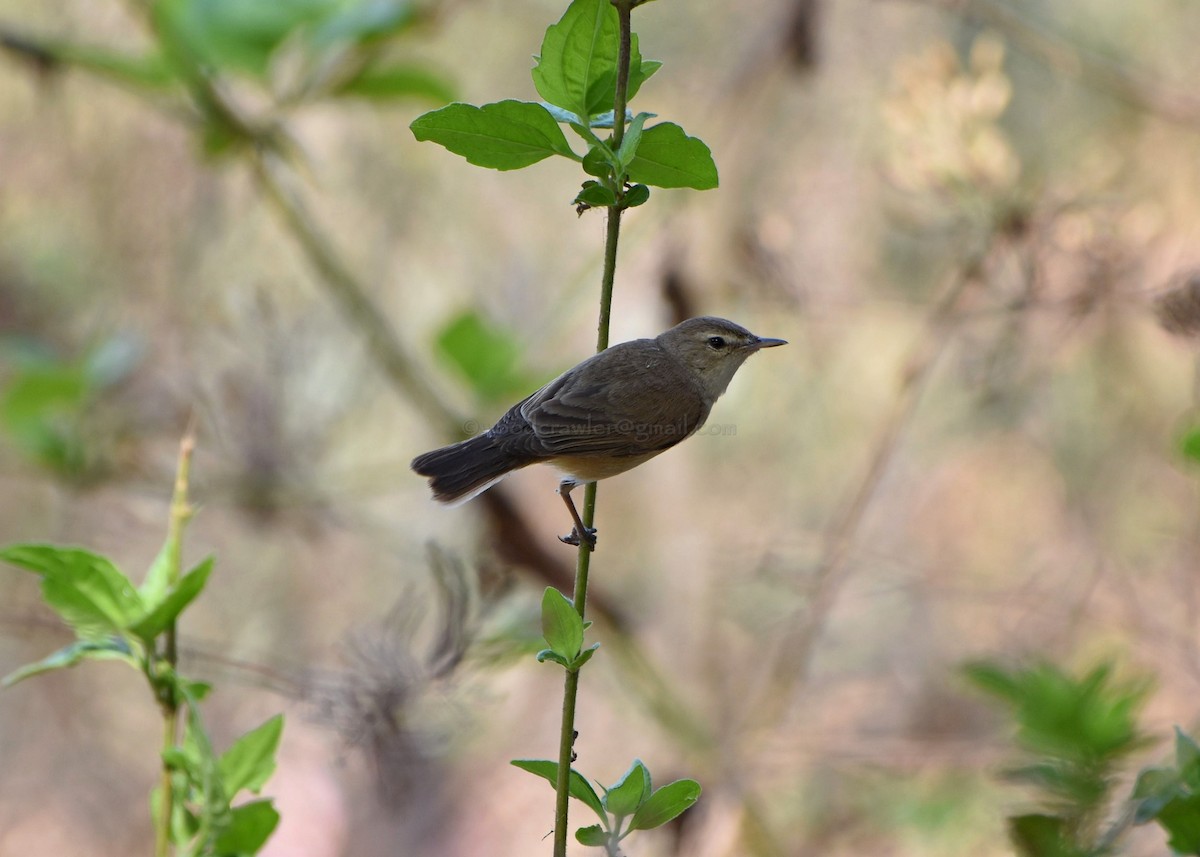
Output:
(793, 651)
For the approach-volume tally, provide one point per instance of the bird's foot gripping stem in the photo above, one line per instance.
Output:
(573, 538)
(579, 533)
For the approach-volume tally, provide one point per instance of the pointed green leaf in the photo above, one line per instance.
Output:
(85, 589)
(113, 648)
(640, 73)
(174, 601)
(250, 826)
(249, 763)
(595, 835)
(665, 803)
(633, 136)
(507, 135)
(577, 67)
(668, 157)
(630, 792)
(578, 787)
(561, 625)
(584, 657)
(158, 576)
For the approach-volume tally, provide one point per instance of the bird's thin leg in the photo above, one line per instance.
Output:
(579, 531)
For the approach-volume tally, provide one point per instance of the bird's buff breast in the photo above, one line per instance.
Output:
(583, 468)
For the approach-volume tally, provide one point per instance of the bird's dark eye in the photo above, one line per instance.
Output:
(716, 342)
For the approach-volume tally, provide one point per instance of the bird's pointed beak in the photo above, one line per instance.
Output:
(763, 342)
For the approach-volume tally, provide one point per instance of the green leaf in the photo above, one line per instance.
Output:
(158, 576)
(85, 589)
(637, 195)
(235, 35)
(173, 602)
(630, 792)
(633, 136)
(565, 116)
(1189, 444)
(561, 625)
(250, 826)
(605, 120)
(1180, 818)
(113, 648)
(668, 157)
(595, 195)
(249, 763)
(1080, 720)
(41, 410)
(551, 655)
(598, 162)
(39, 390)
(595, 835)
(576, 69)
(366, 21)
(665, 804)
(507, 135)
(584, 657)
(487, 356)
(195, 691)
(1187, 759)
(381, 83)
(1042, 836)
(641, 71)
(578, 787)
(1155, 788)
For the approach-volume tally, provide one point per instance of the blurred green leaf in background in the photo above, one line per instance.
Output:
(46, 401)
(486, 357)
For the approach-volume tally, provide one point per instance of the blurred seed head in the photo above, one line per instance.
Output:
(942, 119)
(1178, 310)
(386, 702)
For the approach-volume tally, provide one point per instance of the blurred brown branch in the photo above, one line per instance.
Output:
(794, 650)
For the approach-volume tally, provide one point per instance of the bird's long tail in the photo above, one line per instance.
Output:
(462, 470)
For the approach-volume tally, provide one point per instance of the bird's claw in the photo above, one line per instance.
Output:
(589, 536)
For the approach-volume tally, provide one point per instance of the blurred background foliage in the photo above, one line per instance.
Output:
(976, 222)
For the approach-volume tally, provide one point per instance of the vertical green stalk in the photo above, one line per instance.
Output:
(181, 511)
(612, 233)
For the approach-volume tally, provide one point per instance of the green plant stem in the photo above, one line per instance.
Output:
(181, 512)
(621, 99)
(612, 234)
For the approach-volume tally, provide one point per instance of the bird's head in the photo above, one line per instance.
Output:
(713, 349)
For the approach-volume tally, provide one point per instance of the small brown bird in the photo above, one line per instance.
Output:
(613, 411)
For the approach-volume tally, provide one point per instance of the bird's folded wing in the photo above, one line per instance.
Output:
(588, 413)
